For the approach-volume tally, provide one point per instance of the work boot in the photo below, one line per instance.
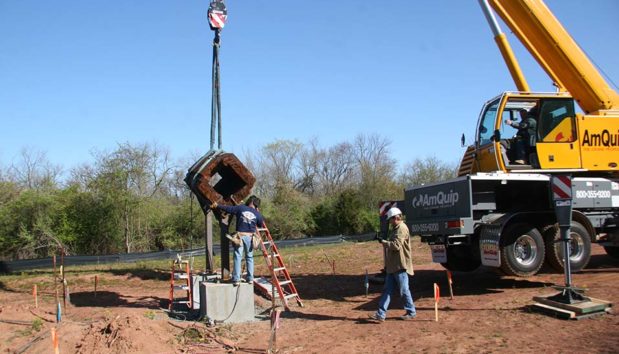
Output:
(375, 318)
(408, 317)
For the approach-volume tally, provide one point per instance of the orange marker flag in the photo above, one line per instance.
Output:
(437, 297)
(449, 280)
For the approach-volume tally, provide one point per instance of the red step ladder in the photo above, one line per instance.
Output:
(181, 271)
(284, 287)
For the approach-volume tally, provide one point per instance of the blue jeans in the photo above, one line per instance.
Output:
(399, 279)
(246, 245)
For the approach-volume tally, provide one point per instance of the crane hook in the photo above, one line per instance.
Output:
(217, 15)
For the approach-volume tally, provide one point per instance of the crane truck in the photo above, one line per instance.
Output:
(498, 211)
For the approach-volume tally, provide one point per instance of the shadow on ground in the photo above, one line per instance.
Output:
(602, 263)
(340, 287)
(113, 299)
(3, 287)
(143, 274)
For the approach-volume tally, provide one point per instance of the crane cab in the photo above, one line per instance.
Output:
(524, 131)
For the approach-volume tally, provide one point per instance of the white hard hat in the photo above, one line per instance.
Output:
(393, 212)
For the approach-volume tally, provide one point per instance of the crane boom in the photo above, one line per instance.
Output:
(557, 53)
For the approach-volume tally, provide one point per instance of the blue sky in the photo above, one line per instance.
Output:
(78, 76)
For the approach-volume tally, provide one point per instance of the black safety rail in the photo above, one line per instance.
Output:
(28, 264)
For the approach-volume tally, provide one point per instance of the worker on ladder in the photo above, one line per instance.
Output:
(248, 218)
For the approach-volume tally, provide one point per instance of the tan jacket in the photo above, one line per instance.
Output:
(399, 254)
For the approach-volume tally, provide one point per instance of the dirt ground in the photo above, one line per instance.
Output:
(489, 313)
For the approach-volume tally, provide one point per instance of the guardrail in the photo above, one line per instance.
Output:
(27, 264)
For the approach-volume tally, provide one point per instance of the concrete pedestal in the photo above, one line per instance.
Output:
(227, 303)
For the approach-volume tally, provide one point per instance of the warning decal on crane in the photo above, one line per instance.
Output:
(561, 187)
(562, 195)
(385, 206)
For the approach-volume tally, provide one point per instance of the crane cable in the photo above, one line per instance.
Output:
(217, 15)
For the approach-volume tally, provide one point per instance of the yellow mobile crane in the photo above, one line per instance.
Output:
(581, 143)
(498, 211)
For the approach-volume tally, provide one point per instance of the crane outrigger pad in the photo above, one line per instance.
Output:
(219, 177)
(582, 309)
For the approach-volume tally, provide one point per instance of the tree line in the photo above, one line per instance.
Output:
(134, 199)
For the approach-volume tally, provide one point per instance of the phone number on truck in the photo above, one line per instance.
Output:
(432, 227)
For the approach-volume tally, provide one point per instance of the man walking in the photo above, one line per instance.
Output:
(247, 219)
(398, 265)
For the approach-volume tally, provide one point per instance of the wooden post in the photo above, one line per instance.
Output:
(449, 281)
(64, 281)
(208, 234)
(55, 279)
(225, 248)
(35, 295)
(275, 315)
(331, 262)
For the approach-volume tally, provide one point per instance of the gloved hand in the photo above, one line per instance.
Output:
(214, 205)
(380, 240)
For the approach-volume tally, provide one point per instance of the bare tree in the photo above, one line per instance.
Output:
(81, 176)
(131, 175)
(308, 166)
(275, 166)
(376, 168)
(34, 170)
(336, 168)
(279, 158)
(427, 170)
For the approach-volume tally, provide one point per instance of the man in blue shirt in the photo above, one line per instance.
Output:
(248, 218)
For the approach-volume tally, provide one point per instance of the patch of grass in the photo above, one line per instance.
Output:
(226, 331)
(150, 315)
(25, 332)
(191, 335)
(37, 324)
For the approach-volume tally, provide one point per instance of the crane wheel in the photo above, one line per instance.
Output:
(522, 250)
(580, 248)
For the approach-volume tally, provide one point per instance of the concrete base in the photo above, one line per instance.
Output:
(227, 303)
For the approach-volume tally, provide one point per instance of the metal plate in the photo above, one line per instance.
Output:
(439, 253)
(489, 245)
